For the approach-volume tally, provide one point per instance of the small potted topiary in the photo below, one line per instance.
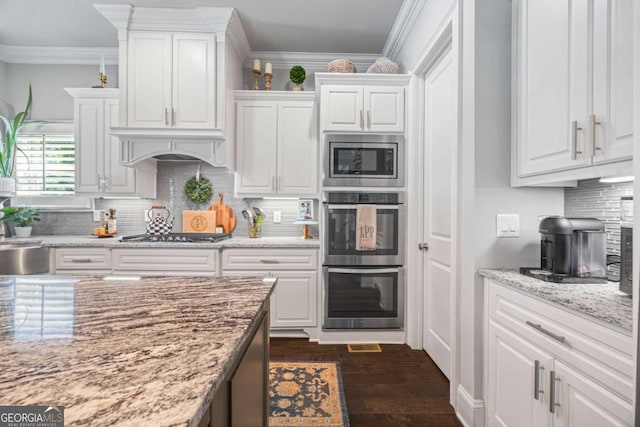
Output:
(21, 217)
(297, 76)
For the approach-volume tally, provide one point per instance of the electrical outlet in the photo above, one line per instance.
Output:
(507, 225)
(146, 215)
(277, 217)
(97, 215)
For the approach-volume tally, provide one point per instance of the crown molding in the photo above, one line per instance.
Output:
(58, 55)
(402, 26)
(373, 79)
(311, 61)
(119, 15)
(273, 95)
(84, 92)
(237, 36)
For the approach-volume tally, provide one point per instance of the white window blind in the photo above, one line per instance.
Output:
(47, 167)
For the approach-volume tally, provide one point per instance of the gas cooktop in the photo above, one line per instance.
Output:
(178, 237)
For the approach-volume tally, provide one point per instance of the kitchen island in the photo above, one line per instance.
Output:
(158, 351)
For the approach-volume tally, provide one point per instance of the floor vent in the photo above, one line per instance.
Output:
(364, 348)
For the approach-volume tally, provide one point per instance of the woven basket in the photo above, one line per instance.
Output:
(384, 66)
(341, 66)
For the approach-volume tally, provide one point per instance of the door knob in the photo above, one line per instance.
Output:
(423, 246)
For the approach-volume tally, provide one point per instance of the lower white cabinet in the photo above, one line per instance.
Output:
(165, 261)
(294, 299)
(545, 366)
(82, 260)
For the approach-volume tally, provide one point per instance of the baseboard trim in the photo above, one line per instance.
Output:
(470, 411)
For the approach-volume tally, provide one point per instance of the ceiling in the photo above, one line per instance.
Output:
(341, 26)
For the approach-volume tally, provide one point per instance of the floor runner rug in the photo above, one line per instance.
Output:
(306, 394)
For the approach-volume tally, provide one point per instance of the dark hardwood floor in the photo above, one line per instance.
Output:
(398, 387)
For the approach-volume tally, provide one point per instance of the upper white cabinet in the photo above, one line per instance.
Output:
(573, 88)
(277, 144)
(172, 78)
(98, 155)
(362, 102)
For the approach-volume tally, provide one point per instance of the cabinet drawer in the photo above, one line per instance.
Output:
(83, 259)
(269, 259)
(187, 262)
(604, 353)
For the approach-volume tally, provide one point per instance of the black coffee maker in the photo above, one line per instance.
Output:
(573, 247)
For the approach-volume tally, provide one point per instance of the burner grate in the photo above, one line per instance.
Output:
(178, 237)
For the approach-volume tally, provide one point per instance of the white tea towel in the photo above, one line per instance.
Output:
(366, 220)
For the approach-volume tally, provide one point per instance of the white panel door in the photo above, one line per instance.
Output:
(514, 368)
(384, 109)
(119, 179)
(440, 153)
(612, 80)
(294, 303)
(149, 77)
(583, 403)
(256, 137)
(89, 142)
(552, 85)
(297, 149)
(194, 80)
(342, 108)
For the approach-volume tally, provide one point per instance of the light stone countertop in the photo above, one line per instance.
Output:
(601, 301)
(233, 242)
(124, 353)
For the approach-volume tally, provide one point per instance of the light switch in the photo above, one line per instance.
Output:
(507, 225)
(277, 217)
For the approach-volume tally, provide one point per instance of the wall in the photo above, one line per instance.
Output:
(4, 106)
(171, 179)
(50, 101)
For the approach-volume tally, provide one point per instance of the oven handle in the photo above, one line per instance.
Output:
(363, 270)
(345, 207)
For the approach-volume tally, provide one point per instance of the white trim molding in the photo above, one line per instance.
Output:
(237, 36)
(402, 26)
(311, 61)
(469, 411)
(56, 55)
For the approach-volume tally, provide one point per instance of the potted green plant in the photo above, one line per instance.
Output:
(21, 217)
(297, 76)
(9, 146)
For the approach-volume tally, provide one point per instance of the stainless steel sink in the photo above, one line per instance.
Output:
(16, 258)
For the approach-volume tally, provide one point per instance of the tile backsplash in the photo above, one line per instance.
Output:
(171, 179)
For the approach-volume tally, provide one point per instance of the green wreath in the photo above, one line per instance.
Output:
(198, 191)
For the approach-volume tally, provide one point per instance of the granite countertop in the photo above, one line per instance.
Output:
(123, 353)
(234, 242)
(602, 301)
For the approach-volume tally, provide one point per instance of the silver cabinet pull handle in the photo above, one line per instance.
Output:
(81, 260)
(536, 380)
(552, 392)
(574, 140)
(361, 119)
(423, 246)
(369, 119)
(166, 116)
(539, 328)
(592, 133)
(269, 261)
(173, 117)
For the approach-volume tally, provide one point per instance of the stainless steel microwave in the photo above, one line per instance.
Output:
(363, 161)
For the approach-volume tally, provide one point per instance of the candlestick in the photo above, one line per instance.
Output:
(103, 80)
(267, 80)
(102, 65)
(268, 68)
(256, 65)
(256, 79)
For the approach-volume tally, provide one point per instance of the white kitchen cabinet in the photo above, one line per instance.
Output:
(362, 108)
(82, 260)
(294, 299)
(277, 144)
(580, 371)
(98, 168)
(172, 80)
(572, 80)
(165, 261)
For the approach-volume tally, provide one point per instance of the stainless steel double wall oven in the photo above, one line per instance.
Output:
(363, 289)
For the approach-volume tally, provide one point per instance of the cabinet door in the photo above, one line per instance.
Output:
(612, 80)
(256, 137)
(551, 85)
(342, 108)
(149, 79)
(384, 109)
(194, 80)
(119, 179)
(512, 377)
(89, 143)
(297, 149)
(583, 403)
(294, 302)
